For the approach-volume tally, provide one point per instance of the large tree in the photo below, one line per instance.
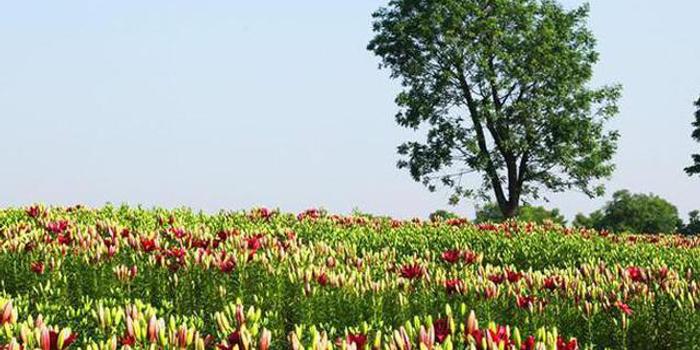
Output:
(502, 89)
(695, 168)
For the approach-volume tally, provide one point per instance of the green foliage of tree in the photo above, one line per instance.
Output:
(693, 225)
(695, 168)
(639, 213)
(442, 214)
(502, 89)
(490, 212)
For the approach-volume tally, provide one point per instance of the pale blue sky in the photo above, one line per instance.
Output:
(223, 104)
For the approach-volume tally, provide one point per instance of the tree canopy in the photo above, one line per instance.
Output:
(695, 167)
(491, 213)
(639, 213)
(693, 225)
(502, 89)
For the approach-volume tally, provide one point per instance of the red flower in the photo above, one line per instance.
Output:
(322, 279)
(411, 271)
(500, 335)
(636, 274)
(64, 239)
(178, 232)
(261, 213)
(34, 211)
(563, 345)
(234, 339)
(38, 267)
(148, 245)
(49, 340)
(451, 256)
(513, 277)
(127, 340)
(309, 214)
(227, 266)
(442, 329)
(470, 257)
(254, 242)
(57, 227)
(477, 334)
(358, 339)
(525, 301)
(623, 307)
(528, 344)
(551, 283)
(497, 278)
(177, 253)
(125, 233)
(454, 286)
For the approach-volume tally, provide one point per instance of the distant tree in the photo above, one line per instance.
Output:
(491, 213)
(640, 213)
(503, 87)
(442, 214)
(693, 225)
(590, 221)
(695, 168)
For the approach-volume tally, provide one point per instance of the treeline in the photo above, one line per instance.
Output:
(625, 212)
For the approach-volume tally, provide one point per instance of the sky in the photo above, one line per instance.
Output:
(234, 104)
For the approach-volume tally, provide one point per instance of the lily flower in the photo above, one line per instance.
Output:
(451, 256)
(442, 329)
(454, 286)
(358, 339)
(38, 267)
(564, 345)
(411, 271)
(623, 307)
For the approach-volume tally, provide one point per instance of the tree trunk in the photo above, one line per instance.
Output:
(509, 209)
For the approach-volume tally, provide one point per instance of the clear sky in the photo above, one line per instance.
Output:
(223, 104)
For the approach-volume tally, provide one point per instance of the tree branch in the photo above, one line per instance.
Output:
(481, 139)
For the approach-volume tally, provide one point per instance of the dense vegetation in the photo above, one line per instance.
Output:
(133, 278)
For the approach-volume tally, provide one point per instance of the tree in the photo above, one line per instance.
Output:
(490, 212)
(590, 221)
(695, 168)
(502, 86)
(442, 214)
(693, 226)
(640, 213)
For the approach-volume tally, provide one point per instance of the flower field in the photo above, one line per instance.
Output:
(121, 277)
